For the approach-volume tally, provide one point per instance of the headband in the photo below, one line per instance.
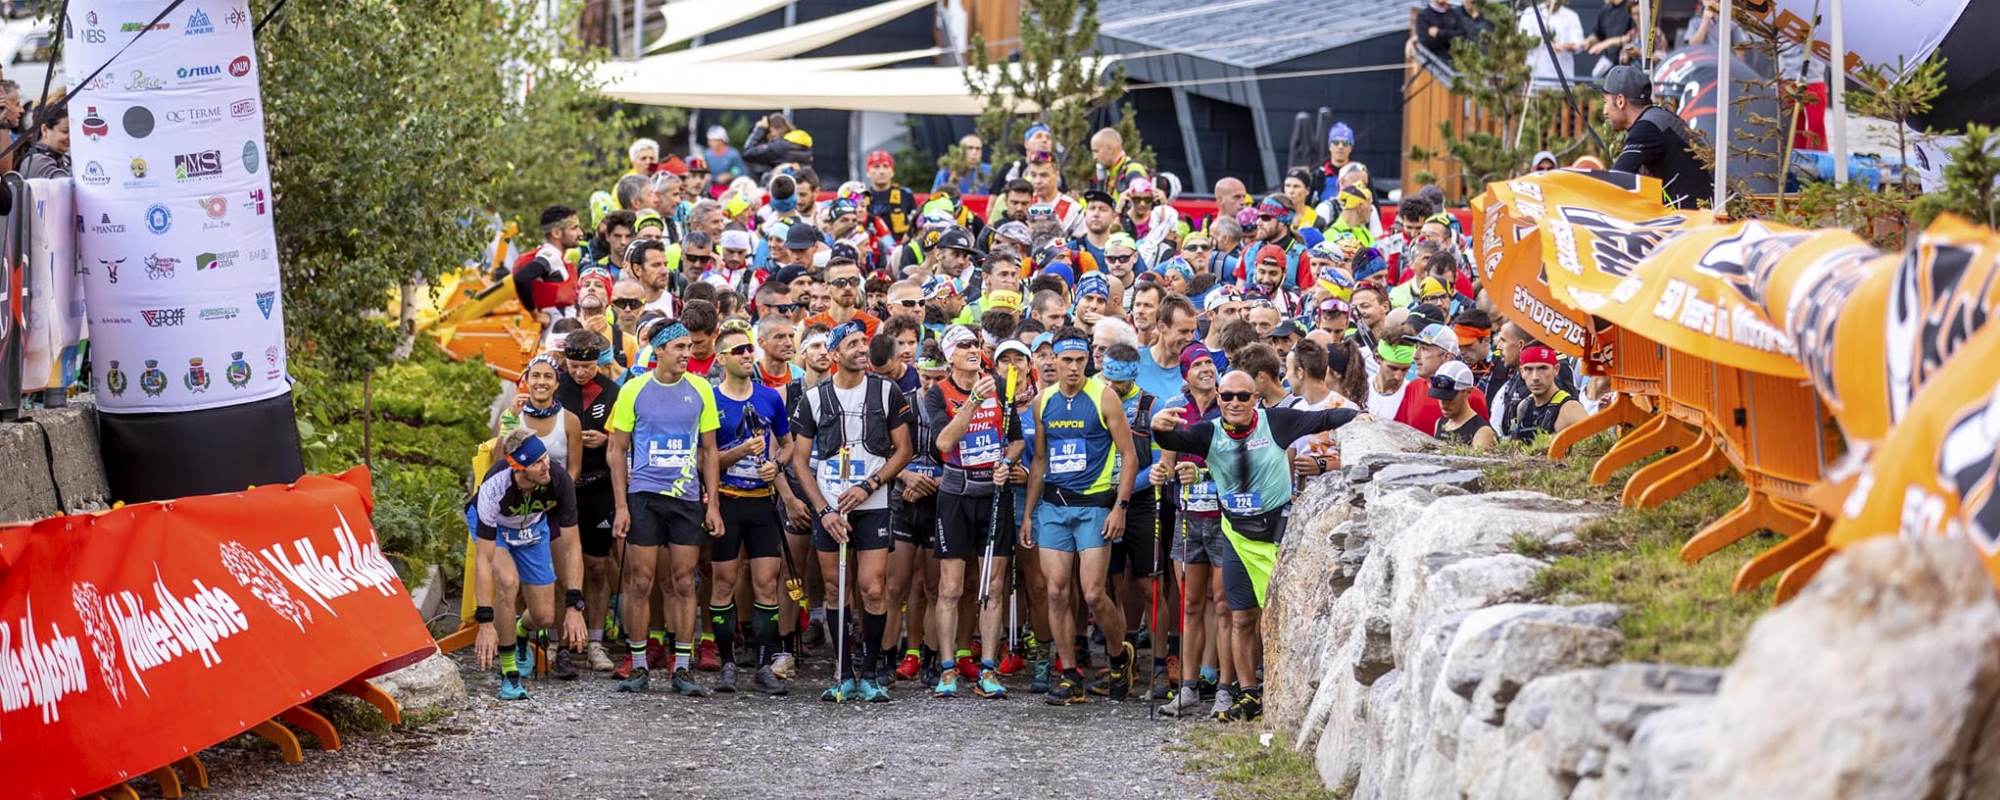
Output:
(815, 339)
(842, 331)
(575, 353)
(525, 456)
(1467, 334)
(1539, 354)
(1032, 130)
(1121, 371)
(669, 333)
(1072, 345)
(956, 337)
(1398, 354)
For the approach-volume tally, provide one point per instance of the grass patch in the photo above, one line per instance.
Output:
(1242, 768)
(1674, 612)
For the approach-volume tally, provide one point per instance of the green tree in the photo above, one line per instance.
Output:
(395, 128)
(1054, 80)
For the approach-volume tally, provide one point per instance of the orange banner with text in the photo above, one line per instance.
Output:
(132, 638)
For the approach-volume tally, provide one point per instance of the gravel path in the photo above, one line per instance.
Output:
(580, 740)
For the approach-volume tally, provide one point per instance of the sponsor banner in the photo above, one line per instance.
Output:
(1892, 34)
(1704, 293)
(54, 311)
(173, 216)
(1938, 472)
(1506, 246)
(131, 638)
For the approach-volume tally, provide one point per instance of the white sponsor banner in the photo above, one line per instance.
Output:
(1882, 33)
(54, 305)
(173, 221)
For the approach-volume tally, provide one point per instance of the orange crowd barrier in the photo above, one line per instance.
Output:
(134, 638)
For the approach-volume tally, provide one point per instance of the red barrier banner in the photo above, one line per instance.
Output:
(132, 638)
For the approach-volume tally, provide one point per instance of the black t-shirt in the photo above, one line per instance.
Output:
(501, 501)
(1462, 434)
(1612, 22)
(593, 415)
(1658, 145)
(1450, 24)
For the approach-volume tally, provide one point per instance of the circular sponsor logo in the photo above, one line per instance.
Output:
(138, 122)
(250, 157)
(158, 218)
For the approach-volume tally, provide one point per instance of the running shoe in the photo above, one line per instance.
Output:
(1099, 684)
(989, 686)
(930, 674)
(841, 692)
(1183, 702)
(598, 657)
(947, 685)
(967, 666)
(685, 685)
(706, 657)
(636, 682)
(767, 682)
(511, 688)
(1209, 687)
(1224, 699)
(1247, 708)
(563, 667)
(1123, 680)
(1067, 692)
(524, 656)
(873, 692)
(725, 680)
(1012, 663)
(1162, 683)
(1040, 684)
(624, 668)
(1143, 640)
(909, 667)
(783, 665)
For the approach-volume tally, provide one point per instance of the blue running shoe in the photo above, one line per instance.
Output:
(841, 692)
(873, 692)
(511, 688)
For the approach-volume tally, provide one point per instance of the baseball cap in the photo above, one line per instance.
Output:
(718, 132)
(799, 137)
(939, 286)
(1217, 300)
(1340, 133)
(1142, 185)
(697, 164)
(1121, 239)
(1431, 286)
(1284, 330)
(1450, 379)
(957, 239)
(1538, 354)
(1014, 231)
(843, 206)
(1440, 337)
(1100, 196)
(737, 240)
(801, 237)
(790, 273)
(1396, 354)
(1630, 82)
(1061, 270)
(1013, 346)
(1043, 338)
(843, 251)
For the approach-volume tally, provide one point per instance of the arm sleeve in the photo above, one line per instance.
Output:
(1188, 439)
(524, 279)
(1289, 425)
(1643, 146)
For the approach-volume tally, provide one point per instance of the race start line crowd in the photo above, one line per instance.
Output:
(947, 446)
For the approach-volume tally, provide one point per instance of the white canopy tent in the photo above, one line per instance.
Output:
(687, 19)
(799, 38)
(758, 85)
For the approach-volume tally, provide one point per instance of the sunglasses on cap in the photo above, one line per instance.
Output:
(628, 303)
(844, 282)
(1235, 397)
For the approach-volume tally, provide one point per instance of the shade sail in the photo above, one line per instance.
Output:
(687, 19)
(798, 38)
(758, 85)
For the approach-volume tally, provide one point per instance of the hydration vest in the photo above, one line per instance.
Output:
(831, 434)
(1529, 418)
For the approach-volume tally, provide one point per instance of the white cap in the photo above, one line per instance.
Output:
(718, 132)
(1440, 337)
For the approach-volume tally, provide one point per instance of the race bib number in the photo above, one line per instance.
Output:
(1067, 456)
(979, 449)
(523, 537)
(1243, 503)
(745, 469)
(1199, 497)
(832, 480)
(675, 452)
(921, 468)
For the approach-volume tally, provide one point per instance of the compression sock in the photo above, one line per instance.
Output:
(872, 626)
(683, 655)
(637, 649)
(597, 635)
(724, 620)
(508, 664)
(764, 623)
(1083, 652)
(1210, 674)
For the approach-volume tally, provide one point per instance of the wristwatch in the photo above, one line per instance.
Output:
(573, 598)
(482, 614)
(1124, 503)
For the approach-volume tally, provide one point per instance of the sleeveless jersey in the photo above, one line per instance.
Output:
(1253, 475)
(1079, 442)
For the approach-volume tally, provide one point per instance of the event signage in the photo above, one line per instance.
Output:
(53, 319)
(131, 638)
(175, 248)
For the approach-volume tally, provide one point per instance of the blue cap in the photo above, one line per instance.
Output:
(1062, 271)
(1093, 283)
(1032, 130)
(1045, 337)
(1340, 133)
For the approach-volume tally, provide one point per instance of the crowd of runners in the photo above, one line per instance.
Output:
(965, 454)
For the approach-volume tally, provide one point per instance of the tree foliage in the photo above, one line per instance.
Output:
(395, 128)
(1054, 80)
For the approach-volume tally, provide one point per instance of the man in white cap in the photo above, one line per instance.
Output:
(725, 164)
(1437, 346)
(731, 270)
(1452, 387)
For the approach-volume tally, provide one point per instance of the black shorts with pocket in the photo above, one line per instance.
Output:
(1136, 550)
(867, 530)
(749, 525)
(963, 524)
(659, 520)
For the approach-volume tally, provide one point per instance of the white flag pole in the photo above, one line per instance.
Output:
(1723, 59)
(1836, 107)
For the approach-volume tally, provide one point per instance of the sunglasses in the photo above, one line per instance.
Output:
(695, 259)
(628, 303)
(1195, 248)
(1234, 397)
(1124, 259)
(783, 308)
(743, 349)
(908, 303)
(845, 282)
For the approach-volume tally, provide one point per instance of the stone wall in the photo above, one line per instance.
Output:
(52, 465)
(1404, 653)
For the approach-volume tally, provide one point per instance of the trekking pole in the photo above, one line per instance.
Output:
(1153, 612)
(795, 586)
(840, 637)
(1001, 493)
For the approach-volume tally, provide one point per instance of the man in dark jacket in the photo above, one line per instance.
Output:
(1657, 143)
(775, 142)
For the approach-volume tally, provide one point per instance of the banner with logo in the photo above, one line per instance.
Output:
(131, 638)
(1508, 250)
(172, 208)
(53, 322)
(1938, 472)
(1884, 33)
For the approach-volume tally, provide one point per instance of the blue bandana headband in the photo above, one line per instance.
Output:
(1072, 346)
(527, 454)
(1120, 371)
(668, 334)
(842, 331)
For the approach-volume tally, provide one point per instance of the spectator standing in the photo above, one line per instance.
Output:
(1439, 23)
(1565, 34)
(1609, 34)
(724, 163)
(1657, 142)
(775, 143)
(974, 181)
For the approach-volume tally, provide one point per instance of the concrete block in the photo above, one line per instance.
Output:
(75, 461)
(29, 491)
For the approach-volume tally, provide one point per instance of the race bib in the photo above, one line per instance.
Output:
(1199, 496)
(979, 448)
(832, 480)
(1067, 456)
(924, 469)
(745, 469)
(524, 537)
(1243, 503)
(675, 451)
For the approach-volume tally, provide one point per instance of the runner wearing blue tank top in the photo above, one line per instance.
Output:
(1079, 495)
(752, 441)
